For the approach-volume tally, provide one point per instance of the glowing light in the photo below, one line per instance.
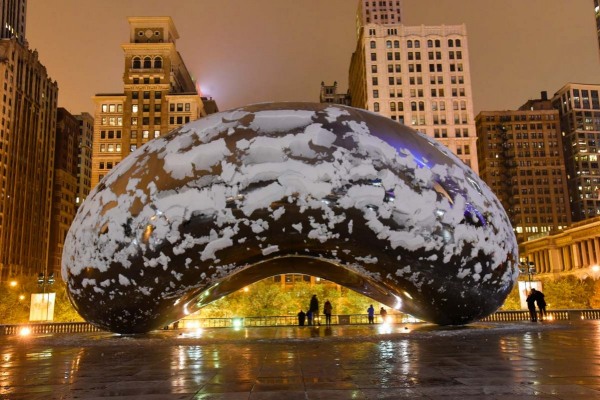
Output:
(237, 323)
(13, 283)
(25, 331)
(385, 327)
(246, 289)
(596, 268)
(22, 297)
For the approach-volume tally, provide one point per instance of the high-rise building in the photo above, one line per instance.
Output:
(65, 188)
(329, 94)
(159, 95)
(84, 157)
(521, 158)
(12, 18)
(381, 12)
(579, 109)
(27, 142)
(418, 76)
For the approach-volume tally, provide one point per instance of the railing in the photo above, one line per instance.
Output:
(288, 320)
(49, 327)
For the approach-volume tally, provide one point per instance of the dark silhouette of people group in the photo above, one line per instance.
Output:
(536, 297)
(311, 317)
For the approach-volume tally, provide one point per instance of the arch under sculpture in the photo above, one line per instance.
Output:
(319, 189)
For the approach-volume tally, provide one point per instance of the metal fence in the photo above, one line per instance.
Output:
(287, 320)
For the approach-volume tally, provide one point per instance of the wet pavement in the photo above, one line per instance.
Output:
(550, 360)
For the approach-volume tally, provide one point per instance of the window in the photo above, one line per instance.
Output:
(158, 62)
(187, 106)
(409, 44)
(134, 121)
(134, 134)
(146, 95)
(373, 56)
(396, 44)
(374, 81)
(392, 106)
(145, 134)
(104, 107)
(136, 63)
(179, 106)
(376, 106)
(157, 95)
(373, 44)
(156, 133)
(375, 94)
(132, 147)
(374, 68)
(147, 62)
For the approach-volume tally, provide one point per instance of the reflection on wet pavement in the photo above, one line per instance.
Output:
(491, 361)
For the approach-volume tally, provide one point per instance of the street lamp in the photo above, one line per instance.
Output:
(529, 269)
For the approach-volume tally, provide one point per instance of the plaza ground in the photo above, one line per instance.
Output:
(550, 360)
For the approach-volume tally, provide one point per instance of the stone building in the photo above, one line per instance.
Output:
(159, 95)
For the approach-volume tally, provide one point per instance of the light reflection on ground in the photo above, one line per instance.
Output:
(339, 362)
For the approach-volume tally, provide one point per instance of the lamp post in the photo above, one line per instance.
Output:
(44, 280)
(529, 269)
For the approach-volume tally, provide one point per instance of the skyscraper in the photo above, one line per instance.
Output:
(12, 18)
(84, 157)
(159, 95)
(579, 108)
(416, 75)
(65, 187)
(521, 159)
(27, 141)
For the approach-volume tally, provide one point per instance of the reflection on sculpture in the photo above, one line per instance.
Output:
(331, 191)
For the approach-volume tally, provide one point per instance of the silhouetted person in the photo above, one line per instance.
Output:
(541, 303)
(383, 314)
(309, 317)
(301, 318)
(327, 308)
(371, 314)
(531, 304)
(314, 308)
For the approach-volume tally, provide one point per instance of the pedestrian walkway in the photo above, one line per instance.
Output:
(550, 360)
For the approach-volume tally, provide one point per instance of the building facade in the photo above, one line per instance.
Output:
(521, 159)
(159, 95)
(418, 76)
(84, 157)
(13, 19)
(575, 251)
(329, 94)
(579, 109)
(64, 192)
(27, 142)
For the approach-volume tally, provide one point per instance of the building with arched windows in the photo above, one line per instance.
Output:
(159, 95)
(416, 75)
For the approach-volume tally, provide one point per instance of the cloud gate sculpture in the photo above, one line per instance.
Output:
(326, 190)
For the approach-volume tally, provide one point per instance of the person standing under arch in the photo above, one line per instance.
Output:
(327, 308)
(314, 309)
